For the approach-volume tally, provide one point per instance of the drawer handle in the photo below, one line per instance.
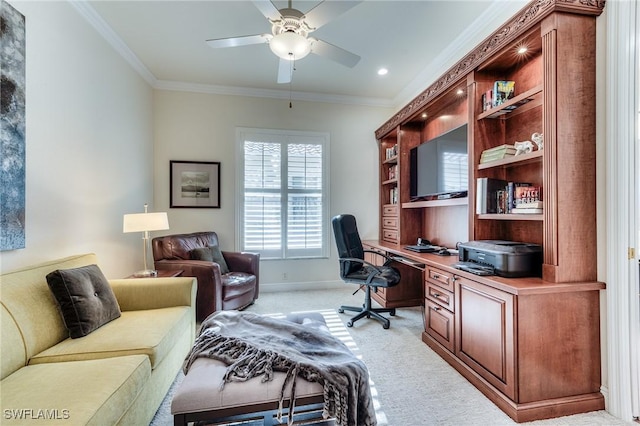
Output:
(436, 295)
(436, 276)
(436, 308)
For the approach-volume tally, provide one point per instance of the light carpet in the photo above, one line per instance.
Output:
(413, 385)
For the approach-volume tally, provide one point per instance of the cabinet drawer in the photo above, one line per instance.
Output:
(390, 222)
(389, 210)
(441, 278)
(439, 324)
(438, 295)
(390, 235)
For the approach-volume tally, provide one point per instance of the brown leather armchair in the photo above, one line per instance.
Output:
(216, 291)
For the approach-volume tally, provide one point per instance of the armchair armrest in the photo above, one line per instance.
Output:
(242, 261)
(135, 294)
(208, 275)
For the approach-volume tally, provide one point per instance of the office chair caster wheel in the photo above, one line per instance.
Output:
(392, 313)
(385, 326)
(350, 324)
(340, 310)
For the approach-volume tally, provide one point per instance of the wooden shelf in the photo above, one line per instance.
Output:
(523, 102)
(390, 181)
(535, 217)
(391, 160)
(436, 203)
(516, 160)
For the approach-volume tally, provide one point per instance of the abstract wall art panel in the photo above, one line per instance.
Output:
(12, 128)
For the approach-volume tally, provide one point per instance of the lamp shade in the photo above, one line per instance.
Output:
(140, 222)
(290, 46)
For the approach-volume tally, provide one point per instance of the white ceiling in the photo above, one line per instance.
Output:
(415, 40)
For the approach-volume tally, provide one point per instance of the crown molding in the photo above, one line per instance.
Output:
(269, 93)
(101, 26)
(521, 22)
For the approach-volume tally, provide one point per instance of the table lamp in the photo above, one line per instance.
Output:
(145, 222)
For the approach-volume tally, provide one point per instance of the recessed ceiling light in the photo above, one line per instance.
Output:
(424, 115)
(522, 50)
(460, 92)
(383, 71)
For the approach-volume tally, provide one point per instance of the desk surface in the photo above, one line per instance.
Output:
(519, 286)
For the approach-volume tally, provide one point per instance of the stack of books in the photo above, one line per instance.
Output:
(497, 153)
(527, 200)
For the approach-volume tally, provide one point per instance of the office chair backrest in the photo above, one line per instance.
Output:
(348, 242)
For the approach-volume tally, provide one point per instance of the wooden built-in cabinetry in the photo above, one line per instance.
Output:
(529, 344)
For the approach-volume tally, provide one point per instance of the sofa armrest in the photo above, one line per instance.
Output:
(136, 294)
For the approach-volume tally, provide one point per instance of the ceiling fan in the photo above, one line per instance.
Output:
(289, 38)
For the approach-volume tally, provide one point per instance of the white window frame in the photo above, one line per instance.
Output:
(284, 137)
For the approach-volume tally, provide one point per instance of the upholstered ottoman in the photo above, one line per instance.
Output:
(199, 397)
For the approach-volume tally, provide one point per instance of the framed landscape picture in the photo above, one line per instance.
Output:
(194, 184)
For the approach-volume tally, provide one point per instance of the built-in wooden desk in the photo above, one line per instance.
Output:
(531, 346)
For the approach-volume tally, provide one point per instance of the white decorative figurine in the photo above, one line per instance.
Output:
(538, 139)
(523, 147)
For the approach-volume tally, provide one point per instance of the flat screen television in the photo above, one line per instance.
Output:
(439, 167)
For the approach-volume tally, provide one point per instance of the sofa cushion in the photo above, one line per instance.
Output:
(85, 298)
(210, 254)
(94, 392)
(152, 333)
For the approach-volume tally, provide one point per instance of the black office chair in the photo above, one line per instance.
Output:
(354, 269)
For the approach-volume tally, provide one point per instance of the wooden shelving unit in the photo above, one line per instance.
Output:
(487, 327)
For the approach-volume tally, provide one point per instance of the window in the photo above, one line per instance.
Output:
(282, 193)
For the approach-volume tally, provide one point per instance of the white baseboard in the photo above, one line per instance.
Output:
(604, 390)
(290, 286)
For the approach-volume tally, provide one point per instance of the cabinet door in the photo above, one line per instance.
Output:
(439, 324)
(485, 333)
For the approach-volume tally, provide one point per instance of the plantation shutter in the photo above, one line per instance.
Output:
(284, 208)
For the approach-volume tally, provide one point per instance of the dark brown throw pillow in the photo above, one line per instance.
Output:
(210, 254)
(85, 299)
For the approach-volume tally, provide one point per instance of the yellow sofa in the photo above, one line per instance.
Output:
(116, 375)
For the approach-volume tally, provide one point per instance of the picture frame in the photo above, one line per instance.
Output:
(194, 184)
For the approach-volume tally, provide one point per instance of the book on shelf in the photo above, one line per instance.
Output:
(511, 193)
(391, 152)
(497, 153)
(502, 91)
(526, 194)
(495, 156)
(500, 148)
(531, 205)
(487, 102)
(526, 210)
(487, 193)
(393, 195)
(393, 172)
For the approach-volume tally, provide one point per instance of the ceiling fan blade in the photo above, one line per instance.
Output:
(239, 41)
(327, 11)
(285, 71)
(329, 51)
(268, 9)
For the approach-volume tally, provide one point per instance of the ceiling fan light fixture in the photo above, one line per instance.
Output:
(290, 46)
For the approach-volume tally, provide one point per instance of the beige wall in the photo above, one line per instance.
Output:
(89, 143)
(202, 127)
